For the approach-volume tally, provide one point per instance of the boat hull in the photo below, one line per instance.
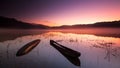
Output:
(28, 47)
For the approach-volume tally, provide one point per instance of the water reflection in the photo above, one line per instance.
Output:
(70, 54)
(94, 50)
(109, 48)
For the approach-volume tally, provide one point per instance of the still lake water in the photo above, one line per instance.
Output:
(98, 49)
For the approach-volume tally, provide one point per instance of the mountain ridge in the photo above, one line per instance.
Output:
(107, 24)
(13, 23)
(16, 24)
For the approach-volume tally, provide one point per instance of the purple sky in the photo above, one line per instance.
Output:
(61, 12)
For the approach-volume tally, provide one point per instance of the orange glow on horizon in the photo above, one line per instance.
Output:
(73, 17)
(86, 20)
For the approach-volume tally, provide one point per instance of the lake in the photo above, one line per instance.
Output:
(99, 48)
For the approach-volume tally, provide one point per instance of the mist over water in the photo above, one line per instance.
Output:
(98, 48)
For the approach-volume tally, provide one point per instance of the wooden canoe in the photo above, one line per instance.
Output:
(28, 47)
(72, 58)
(68, 51)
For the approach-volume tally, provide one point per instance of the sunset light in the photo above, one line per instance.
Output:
(59, 33)
(70, 12)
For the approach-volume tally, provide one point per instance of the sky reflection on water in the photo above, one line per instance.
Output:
(96, 51)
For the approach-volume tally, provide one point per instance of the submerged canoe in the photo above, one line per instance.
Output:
(28, 47)
(68, 51)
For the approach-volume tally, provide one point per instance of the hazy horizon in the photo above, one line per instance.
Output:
(60, 25)
(71, 34)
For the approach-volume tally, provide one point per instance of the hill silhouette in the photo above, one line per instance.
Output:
(13, 23)
(112, 24)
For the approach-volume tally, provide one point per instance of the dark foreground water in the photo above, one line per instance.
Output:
(97, 50)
